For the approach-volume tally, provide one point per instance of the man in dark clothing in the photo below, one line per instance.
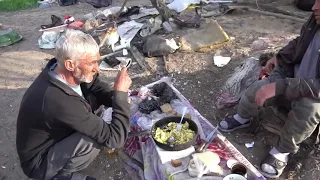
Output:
(293, 78)
(58, 133)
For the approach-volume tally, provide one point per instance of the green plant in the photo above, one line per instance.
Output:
(13, 5)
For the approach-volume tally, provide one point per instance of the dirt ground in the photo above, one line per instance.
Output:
(196, 77)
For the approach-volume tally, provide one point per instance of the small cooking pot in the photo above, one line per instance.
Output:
(163, 122)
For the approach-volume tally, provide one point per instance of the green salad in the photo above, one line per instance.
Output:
(169, 133)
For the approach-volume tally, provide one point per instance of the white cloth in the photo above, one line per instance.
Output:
(166, 156)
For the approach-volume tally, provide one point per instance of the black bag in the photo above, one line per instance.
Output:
(67, 2)
(157, 46)
(305, 5)
(100, 3)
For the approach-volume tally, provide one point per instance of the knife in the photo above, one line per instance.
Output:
(208, 140)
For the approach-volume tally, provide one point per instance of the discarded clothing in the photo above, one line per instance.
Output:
(100, 3)
(145, 12)
(243, 76)
(159, 46)
(128, 30)
(152, 25)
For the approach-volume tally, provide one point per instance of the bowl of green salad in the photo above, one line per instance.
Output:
(165, 134)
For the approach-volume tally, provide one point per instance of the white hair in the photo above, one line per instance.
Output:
(75, 45)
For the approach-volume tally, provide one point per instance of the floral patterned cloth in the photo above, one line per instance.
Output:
(142, 161)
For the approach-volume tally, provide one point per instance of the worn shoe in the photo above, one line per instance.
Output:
(271, 162)
(229, 124)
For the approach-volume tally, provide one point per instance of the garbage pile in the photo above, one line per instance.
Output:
(125, 33)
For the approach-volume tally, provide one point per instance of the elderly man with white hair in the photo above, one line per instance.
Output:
(58, 132)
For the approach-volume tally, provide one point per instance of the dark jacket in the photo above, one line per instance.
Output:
(292, 54)
(51, 111)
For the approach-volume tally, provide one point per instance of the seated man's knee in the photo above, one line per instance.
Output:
(306, 109)
(86, 144)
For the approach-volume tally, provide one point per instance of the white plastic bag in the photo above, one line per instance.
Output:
(48, 39)
(180, 5)
(145, 123)
(197, 168)
(178, 106)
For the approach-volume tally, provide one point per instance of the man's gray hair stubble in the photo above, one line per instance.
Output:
(75, 45)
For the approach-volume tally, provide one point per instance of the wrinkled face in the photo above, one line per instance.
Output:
(86, 68)
(316, 10)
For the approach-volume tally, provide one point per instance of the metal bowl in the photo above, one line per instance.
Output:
(163, 122)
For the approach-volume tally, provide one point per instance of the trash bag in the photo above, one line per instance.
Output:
(164, 92)
(159, 46)
(304, 5)
(243, 76)
(148, 105)
(100, 3)
(67, 2)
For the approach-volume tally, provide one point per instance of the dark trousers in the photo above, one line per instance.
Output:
(303, 117)
(72, 154)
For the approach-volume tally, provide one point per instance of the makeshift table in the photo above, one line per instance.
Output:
(142, 160)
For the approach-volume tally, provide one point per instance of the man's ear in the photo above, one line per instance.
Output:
(70, 65)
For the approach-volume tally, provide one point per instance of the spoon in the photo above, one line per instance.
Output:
(179, 126)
